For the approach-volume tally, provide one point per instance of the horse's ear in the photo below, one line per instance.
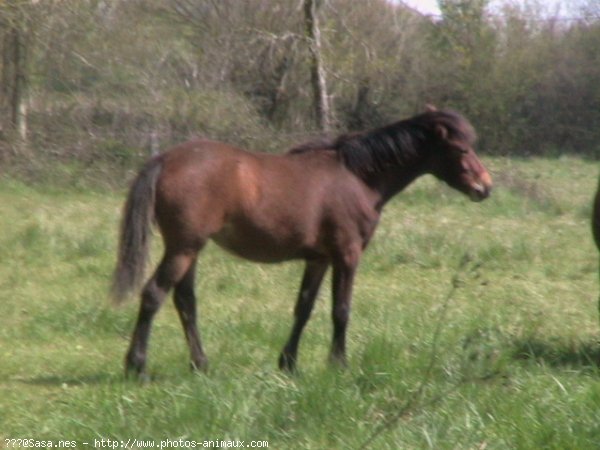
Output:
(441, 131)
(430, 108)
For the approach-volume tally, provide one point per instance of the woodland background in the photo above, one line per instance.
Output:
(89, 88)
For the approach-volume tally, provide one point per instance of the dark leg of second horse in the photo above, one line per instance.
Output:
(170, 271)
(311, 281)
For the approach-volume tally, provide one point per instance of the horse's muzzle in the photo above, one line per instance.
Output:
(481, 189)
(480, 192)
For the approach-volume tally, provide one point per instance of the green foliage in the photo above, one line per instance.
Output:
(109, 83)
(499, 351)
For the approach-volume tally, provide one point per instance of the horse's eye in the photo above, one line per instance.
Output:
(458, 148)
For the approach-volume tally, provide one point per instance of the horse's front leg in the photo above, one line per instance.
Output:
(344, 269)
(311, 281)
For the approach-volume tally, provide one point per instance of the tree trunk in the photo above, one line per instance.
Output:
(317, 73)
(5, 82)
(17, 100)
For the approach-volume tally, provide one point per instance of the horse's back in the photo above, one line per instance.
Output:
(236, 179)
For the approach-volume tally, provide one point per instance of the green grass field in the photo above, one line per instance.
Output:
(510, 358)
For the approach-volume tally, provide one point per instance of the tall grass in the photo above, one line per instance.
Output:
(500, 353)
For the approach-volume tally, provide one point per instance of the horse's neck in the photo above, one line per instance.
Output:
(396, 179)
(393, 182)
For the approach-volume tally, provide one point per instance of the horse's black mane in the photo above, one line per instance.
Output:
(396, 144)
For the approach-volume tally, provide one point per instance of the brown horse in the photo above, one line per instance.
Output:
(319, 202)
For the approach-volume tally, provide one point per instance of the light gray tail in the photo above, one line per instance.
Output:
(135, 234)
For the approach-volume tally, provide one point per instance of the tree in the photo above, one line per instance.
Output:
(377, 61)
(15, 48)
(317, 72)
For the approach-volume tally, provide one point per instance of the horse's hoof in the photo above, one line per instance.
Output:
(200, 366)
(287, 363)
(134, 374)
(338, 362)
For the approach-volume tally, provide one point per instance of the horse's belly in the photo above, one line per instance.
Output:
(261, 245)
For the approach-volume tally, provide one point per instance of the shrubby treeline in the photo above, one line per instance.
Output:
(98, 81)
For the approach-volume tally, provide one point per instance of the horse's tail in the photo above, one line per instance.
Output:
(135, 233)
(596, 217)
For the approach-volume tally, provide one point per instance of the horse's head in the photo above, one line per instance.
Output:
(452, 158)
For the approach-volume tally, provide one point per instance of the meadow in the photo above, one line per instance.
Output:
(474, 326)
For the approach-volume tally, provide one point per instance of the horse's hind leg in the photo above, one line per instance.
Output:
(185, 301)
(170, 271)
